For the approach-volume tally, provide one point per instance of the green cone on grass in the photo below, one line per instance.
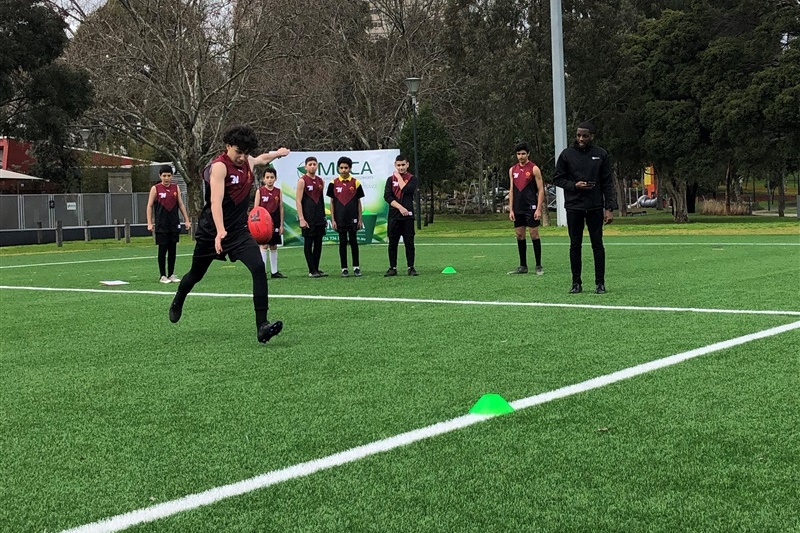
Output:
(449, 270)
(491, 404)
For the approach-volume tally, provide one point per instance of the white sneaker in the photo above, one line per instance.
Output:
(174, 279)
(164, 279)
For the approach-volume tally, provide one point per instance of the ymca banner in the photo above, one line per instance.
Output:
(370, 167)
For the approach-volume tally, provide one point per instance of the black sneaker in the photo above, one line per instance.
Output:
(576, 288)
(412, 271)
(314, 275)
(321, 274)
(175, 312)
(519, 270)
(345, 273)
(266, 331)
(539, 270)
(390, 272)
(357, 272)
(277, 275)
(600, 289)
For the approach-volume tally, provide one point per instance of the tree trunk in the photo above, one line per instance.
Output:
(782, 194)
(480, 182)
(659, 193)
(619, 191)
(495, 189)
(681, 214)
(545, 213)
(728, 181)
(190, 170)
(691, 198)
(676, 188)
(433, 205)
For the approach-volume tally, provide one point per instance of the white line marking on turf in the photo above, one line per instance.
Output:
(86, 261)
(425, 301)
(208, 497)
(606, 243)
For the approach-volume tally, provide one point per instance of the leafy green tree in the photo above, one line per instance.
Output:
(717, 77)
(40, 96)
(437, 156)
(770, 103)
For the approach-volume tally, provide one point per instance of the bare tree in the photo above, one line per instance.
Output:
(173, 73)
(343, 86)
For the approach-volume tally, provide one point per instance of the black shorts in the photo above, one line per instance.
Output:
(400, 227)
(314, 231)
(167, 237)
(276, 239)
(232, 246)
(525, 220)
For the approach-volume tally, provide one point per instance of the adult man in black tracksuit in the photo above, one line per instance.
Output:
(583, 170)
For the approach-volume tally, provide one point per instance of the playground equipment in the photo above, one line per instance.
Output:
(644, 201)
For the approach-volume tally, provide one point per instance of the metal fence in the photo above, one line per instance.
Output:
(28, 211)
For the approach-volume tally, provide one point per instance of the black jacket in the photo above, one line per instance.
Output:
(589, 164)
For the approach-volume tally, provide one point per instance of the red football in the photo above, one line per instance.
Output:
(259, 222)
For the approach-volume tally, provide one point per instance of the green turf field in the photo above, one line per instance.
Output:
(108, 408)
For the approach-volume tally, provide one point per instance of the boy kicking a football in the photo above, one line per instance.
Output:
(222, 226)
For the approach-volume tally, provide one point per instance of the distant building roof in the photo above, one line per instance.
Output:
(9, 175)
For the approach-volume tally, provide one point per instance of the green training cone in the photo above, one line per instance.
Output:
(449, 270)
(491, 404)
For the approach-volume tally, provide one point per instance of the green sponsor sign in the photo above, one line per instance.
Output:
(370, 167)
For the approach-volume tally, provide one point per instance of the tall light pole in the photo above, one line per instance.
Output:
(559, 98)
(413, 90)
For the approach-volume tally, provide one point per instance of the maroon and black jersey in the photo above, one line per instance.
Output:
(404, 196)
(235, 199)
(166, 209)
(526, 192)
(271, 201)
(313, 202)
(345, 194)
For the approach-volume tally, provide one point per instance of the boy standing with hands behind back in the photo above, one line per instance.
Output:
(346, 193)
(269, 197)
(310, 205)
(165, 199)
(525, 204)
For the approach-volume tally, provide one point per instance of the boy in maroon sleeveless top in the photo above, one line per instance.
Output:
(346, 193)
(310, 203)
(269, 197)
(525, 202)
(222, 225)
(166, 199)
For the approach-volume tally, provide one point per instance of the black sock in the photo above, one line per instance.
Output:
(523, 253)
(537, 251)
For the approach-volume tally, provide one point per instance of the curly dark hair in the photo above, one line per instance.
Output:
(243, 137)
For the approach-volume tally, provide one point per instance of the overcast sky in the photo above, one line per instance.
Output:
(77, 9)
